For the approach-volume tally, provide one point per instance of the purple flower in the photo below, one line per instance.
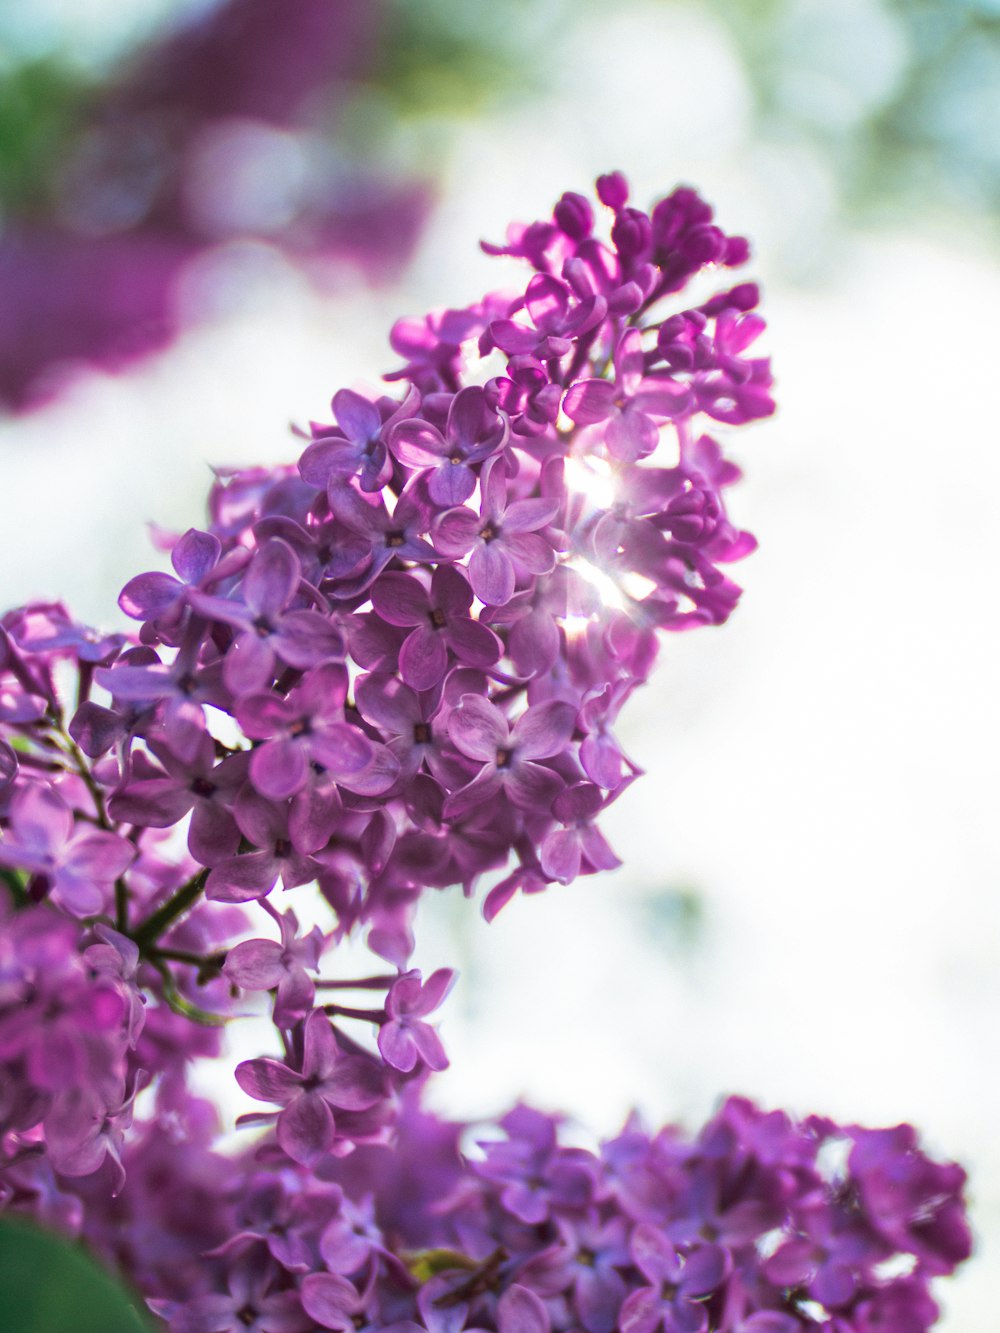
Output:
(307, 728)
(280, 966)
(679, 1284)
(287, 837)
(411, 724)
(536, 1177)
(557, 317)
(915, 1204)
(520, 1311)
(631, 405)
(144, 691)
(389, 537)
(155, 595)
(509, 755)
(579, 844)
(77, 862)
(503, 538)
(268, 628)
(253, 1302)
(327, 1081)
(357, 448)
(588, 1257)
(158, 798)
(474, 432)
(83, 1133)
(47, 628)
(332, 1301)
(441, 625)
(352, 1237)
(404, 1039)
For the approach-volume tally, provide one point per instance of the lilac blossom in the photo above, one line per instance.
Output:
(565, 850)
(285, 836)
(404, 1039)
(279, 965)
(389, 536)
(428, 548)
(473, 432)
(154, 596)
(75, 861)
(674, 1300)
(253, 1301)
(160, 797)
(442, 630)
(502, 541)
(630, 405)
(306, 728)
(509, 755)
(269, 628)
(327, 1081)
(357, 447)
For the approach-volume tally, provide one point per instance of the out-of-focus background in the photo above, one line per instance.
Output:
(210, 214)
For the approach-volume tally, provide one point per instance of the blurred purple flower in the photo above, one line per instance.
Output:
(217, 132)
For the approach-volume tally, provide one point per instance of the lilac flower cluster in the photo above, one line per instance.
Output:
(758, 1225)
(397, 666)
(70, 1019)
(427, 630)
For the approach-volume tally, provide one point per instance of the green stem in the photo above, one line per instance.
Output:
(149, 931)
(72, 751)
(208, 965)
(207, 962)
(180, 1004)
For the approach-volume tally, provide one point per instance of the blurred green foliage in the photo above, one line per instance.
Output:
(49, 1285)
(450, 62)
(903, 96)
(672, 918)
(40, 108)
(451, 58)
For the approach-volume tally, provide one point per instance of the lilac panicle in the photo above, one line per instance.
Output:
(650, 1230)
(396, 667)
(424, 634)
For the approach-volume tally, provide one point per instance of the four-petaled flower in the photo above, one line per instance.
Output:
(78, 862)
(404, 1038)
(327, 1081)
(678, 1286)
(509, 755)
(503, 537)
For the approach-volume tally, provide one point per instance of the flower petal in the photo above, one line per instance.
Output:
(306, 1129)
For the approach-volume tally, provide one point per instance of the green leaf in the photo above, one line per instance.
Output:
(51, 1285)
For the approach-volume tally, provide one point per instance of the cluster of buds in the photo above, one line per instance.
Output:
(397, 666)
